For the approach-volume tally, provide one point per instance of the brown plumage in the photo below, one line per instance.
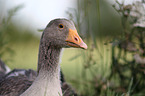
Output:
(21, 78)
(58, 34)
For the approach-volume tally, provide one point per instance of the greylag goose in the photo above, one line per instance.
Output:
(5, 72)
(30, 75)
(58, 34)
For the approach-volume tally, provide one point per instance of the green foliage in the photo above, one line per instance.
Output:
(114, 63)
(10, 34)
(5, 32)
(131, 44)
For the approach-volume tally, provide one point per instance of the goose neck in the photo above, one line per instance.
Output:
(48, 58)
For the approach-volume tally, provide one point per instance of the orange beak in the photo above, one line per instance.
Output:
(74, 40)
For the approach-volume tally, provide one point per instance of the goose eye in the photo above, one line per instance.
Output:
(61, 26)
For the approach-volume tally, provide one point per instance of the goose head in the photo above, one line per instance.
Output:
(62, 33)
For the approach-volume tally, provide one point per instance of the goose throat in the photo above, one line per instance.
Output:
(48, 58)
(47, 82)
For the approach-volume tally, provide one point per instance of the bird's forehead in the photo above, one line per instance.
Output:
(65, 22)
(70, 24)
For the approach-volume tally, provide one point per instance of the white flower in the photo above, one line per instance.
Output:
(138, 13)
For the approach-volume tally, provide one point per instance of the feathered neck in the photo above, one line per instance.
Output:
(48, 57)
(47, 82)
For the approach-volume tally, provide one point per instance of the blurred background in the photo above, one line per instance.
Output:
(114, 30)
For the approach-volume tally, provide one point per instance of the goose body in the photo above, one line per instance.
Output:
(58, 34)
(3, 69)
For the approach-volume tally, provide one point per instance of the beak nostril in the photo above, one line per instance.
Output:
(76, 39)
